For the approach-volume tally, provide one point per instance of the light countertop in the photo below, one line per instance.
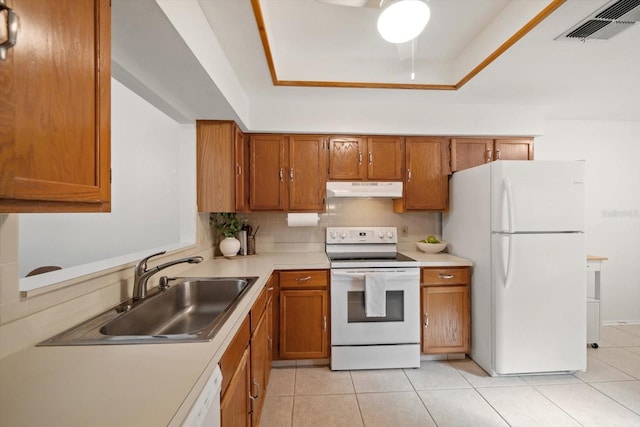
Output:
(139, 385)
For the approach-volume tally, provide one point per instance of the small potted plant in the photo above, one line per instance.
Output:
(229, 224)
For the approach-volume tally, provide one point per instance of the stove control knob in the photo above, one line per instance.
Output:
(333, 234)
(343, 235)
(390, 234)
(381, 234)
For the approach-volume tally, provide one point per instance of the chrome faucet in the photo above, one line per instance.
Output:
(142, 275)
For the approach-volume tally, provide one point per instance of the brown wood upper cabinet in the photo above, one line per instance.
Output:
(267, 169)
(222, 166)
(287, 172)
(470, 152)
(307, 172)
(362, 158)
(55, 116)
(426, 183)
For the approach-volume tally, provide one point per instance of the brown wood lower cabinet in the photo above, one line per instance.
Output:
(235, 410)
(234, 407)
(260, 366)
(304, 314)
(445, 310)
(246, 365)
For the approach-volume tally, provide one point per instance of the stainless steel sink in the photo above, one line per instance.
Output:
(192, 309)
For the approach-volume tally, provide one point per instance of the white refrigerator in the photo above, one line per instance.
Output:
(522, 224)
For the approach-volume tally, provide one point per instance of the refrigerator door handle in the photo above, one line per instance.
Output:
(509, 274)
(509, 195)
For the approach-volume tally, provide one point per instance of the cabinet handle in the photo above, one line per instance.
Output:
(488, 156)
(359, 158)
(426, 320)
(270, 288)
(238, 170)
(270, 343)
(324, 323)
(12, 30)
(281, 174)
(445, 276)
(370, 158)
(408, 175)
(497, 154)
(257, 388)
(303, 279)
(291, 174)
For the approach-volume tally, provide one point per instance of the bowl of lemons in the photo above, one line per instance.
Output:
(431, 245)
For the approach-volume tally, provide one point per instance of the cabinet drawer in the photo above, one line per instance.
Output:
(304, 279)
(233, 354)
(258, 308)
(445, 276)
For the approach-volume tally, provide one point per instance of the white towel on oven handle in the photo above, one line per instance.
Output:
(375, 294)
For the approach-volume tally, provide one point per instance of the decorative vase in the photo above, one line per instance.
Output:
(229, 246)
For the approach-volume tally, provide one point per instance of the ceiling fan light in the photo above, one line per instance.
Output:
(403, 20)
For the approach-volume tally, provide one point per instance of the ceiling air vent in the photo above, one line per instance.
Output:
(603, 24)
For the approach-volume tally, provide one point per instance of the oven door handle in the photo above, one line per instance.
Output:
(361, 276)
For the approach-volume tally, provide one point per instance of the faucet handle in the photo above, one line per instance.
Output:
(141, 266)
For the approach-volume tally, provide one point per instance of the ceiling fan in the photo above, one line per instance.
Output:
(354, 3)
(400, 22)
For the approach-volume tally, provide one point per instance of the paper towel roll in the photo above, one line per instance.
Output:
(303, 219)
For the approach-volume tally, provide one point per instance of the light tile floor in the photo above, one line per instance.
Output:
(459, 393)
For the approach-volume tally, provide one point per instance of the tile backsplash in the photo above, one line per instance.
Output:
(275, 234)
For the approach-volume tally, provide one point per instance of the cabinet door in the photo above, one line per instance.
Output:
(55, 116)
(270, 329)
(469, 152)
(346, 158)
(235, 404)
(426, 180)
(304, 324)
(214, 166)
(241, 160)
(445, 319)
(385, 155)
(267, 157)
(514, 149)
(259, 367)
(307, 173)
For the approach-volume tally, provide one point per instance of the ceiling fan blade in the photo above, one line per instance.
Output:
(353, 3)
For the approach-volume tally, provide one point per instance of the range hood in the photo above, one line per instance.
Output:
(391, 190)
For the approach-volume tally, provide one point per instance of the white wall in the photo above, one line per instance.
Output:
(148, 191)
(361, 111)
(611, 150)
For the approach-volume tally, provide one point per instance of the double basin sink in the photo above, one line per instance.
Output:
(191, 309)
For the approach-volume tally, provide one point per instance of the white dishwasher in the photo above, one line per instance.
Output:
(206, 410)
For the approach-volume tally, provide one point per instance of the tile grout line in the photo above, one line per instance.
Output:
(293, 402)
(617, 367)
(355, 393)
(554, 403)
(424, 404)
(612, 399)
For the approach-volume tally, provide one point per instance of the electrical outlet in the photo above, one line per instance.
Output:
(404, 231)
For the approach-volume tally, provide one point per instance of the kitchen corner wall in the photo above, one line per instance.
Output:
(275, 235)
(611, 150)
